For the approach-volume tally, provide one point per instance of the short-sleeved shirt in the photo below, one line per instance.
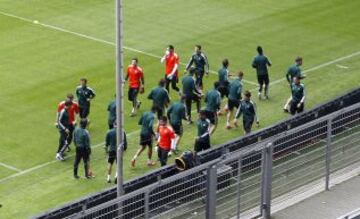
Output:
(166, 134)
(135, 74)
(73, 110)
(176, 113)
(112, 112)
(261, 62)
(298, 92)
(84, 93)
(110, 140)
(223, 74)
(160, 96)
(171, 60)
(235, 89)
(147, 122)
(293, 71)
(248, 109)
(213, 100)
(188, 85)
(203, 127)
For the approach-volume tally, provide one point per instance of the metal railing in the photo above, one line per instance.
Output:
(247, 180)
(352, 215)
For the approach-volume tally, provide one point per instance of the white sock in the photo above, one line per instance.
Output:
(135, 157)
(133, 110)
(108, 177)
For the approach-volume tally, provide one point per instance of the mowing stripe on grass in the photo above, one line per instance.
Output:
(10, 167)
(35, 22)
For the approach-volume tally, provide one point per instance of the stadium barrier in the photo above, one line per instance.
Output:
(233, 146)
(352, 215)
(246, 180)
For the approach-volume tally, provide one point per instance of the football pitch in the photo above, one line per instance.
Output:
(48, 45)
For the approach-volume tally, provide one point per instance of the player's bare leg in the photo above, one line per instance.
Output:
(137, 155)
(287, 104)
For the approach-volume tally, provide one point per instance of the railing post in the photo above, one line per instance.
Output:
(147, 203)
(267, 181)
(328, 154)
(239, 187)
(211, 192)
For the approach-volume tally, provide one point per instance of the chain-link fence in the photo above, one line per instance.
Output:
(243, 183)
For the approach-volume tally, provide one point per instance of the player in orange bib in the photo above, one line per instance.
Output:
(171, 60)
(165, 141)
(135, 77)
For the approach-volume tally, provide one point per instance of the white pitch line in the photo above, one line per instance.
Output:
(342, 66)
(322, 65)
(10, 167)
(95, 39)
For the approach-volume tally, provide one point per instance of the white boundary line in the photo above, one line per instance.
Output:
(10, 167)
(96, 39)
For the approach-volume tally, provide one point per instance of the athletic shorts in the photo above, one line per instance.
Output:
(178, 129)
(146, 140)
(233, 104)
(224, 89)
(202, 144)
(211, 116)
(132, 93)
(247, 125)
(84, 111)
(111, 157)
(294, 109)
(263, 79)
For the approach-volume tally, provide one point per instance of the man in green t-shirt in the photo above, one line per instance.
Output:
(293, 71)
(202, 141)
(160, 98)
(261, 64)
(298, 96)
(213, 103)
(234, 97)
(83, 150)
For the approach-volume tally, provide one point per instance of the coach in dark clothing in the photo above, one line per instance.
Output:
(201, 64)
(83, 150)
(64, 126)
(84, 94)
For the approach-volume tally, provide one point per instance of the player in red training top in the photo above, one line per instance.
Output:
(73, 110)
(171, 60)
(165, 141)
(135, 76)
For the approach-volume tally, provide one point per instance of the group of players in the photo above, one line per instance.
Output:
(168, 130)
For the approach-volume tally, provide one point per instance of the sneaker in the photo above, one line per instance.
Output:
(57, 156)
(220, 113)
(132, 114)
(259, 95)
(170, 153)
(76, 177)
(108, 180)
(151, 163)
(138, 104)
(228, 127)
(132, 163)
(286, 110)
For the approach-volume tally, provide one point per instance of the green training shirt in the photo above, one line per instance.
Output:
(147, 122)
(213, 100)
(176, 113)
(235, 89)
(159, 96)
(81, 138)
(261, 63)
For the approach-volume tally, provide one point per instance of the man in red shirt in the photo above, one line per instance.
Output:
(73, 110)
(171, 60)
(165, 141)
(135, 76)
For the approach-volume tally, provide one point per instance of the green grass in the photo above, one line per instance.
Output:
(40, 65)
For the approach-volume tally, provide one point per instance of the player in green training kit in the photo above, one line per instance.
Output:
(234, 97)
(111, 114)
(176, 113)
(213, 103)
(202, 141)
(293, 71)
(247, 108)
(191, 93)
(298, 96)
(261, 64)
(83, 150)
(110, 148)
(84, 94)
(147, 133)
(160, 98)
(223, 75)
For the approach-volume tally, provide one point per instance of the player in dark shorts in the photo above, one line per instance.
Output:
(146, 136)
(213, 102)
(234, 97)
(84, 95)
(176, 113)
(135, 77)
(110, 148)
(160, 98)
(261, 64)
(298, 96)
(202, 141)
(248, 110)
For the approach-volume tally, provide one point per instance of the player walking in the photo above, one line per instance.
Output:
(73, 110)
(64, 126)
(84, 95)
(176, 113)
(166, 139)
(247, 108)
(83, 150)
(202, 141)
(201, 64)
(146, 135)
(213, 103)
(261, 64)
(293, 71)
(191, 93)
(111, 147)
(171, 60)
(160, 98)
(234, 97)
(298, 96)
(111, 114)
(135, 76)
